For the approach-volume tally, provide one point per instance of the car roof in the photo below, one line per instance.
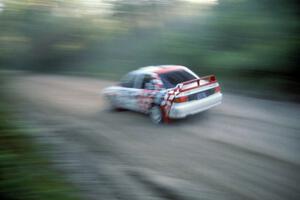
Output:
(158, 69)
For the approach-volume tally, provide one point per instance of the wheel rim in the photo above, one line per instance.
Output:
(155, 114)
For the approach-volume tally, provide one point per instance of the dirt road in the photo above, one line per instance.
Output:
(246, 148)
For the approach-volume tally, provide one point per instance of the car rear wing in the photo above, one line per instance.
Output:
(195, 83)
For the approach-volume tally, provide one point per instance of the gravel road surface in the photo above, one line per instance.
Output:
(246, 148)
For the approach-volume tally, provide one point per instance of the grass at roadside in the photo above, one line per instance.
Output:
(24, 172)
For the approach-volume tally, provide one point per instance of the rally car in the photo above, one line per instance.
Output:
(165, 92)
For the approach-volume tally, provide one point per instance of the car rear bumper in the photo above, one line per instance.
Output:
(181, 110)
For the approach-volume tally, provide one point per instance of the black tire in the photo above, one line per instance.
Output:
(156, 114)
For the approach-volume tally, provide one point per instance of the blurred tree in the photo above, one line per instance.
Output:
(256, 39)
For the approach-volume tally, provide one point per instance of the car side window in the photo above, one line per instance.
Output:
(138, 81)
(128, 81)
(147, 83)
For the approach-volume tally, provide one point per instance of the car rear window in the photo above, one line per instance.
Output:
(172, 78)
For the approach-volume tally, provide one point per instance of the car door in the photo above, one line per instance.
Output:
(146, 94)
(135, 92)
(122, 93)
(129, 92)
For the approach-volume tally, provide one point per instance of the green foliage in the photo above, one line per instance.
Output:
(231, 37)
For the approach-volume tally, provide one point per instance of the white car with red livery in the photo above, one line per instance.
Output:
(165, 92)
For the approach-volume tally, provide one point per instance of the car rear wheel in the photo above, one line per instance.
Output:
(156, 115)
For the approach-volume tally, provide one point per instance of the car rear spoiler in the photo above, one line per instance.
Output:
(195, 83)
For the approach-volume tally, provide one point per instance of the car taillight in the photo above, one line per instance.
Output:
(181, 99)
(217, 89)
(212, 78)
